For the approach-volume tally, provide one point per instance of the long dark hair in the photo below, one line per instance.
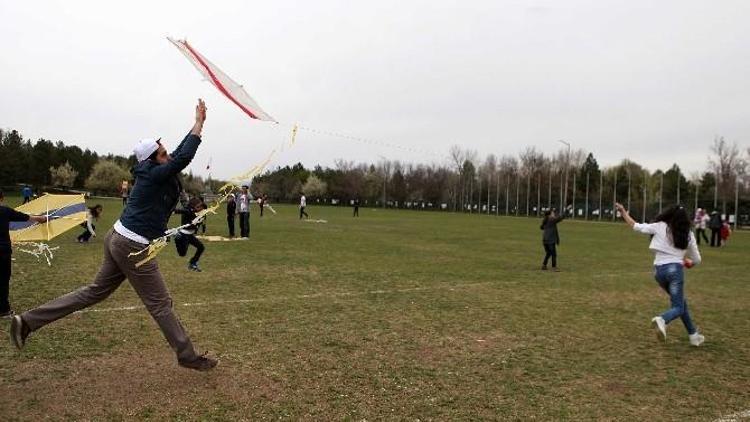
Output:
(678, 223)
(96, 210)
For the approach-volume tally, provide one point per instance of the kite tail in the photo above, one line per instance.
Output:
(38, 250)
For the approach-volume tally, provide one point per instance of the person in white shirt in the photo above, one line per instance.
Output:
(243, 209)
(302, 205)
(699, 222)
(672, 238)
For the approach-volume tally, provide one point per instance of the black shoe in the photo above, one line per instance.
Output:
(7, 315)
(19, 331)
(194, 267)
(544, 267)
(201, 363)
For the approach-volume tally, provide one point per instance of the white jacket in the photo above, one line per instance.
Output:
(663, 248)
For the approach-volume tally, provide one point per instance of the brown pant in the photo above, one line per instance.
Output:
(146, 280)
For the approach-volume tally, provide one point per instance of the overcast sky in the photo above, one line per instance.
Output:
(652, 81)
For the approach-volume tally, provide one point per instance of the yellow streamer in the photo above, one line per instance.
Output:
(158, 244)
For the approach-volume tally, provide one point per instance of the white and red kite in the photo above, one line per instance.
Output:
(222, 82)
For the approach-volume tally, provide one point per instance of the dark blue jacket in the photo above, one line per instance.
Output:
(550, 235)
(157, 190)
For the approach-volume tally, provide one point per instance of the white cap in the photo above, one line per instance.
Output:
(145, 147)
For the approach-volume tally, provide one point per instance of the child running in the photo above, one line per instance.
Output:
(671, 239)
(550, 238)
(186, 236)
(92, 215)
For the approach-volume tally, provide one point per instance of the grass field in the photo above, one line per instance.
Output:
(395, 315)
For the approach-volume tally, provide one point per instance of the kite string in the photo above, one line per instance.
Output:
(360, 139)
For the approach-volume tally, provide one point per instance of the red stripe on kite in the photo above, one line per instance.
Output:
(216, 81)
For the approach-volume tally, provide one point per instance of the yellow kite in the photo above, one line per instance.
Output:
(63, 211)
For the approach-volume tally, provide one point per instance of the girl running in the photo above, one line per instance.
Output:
(672, 238)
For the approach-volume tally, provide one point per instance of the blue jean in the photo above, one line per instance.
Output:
(671, 278)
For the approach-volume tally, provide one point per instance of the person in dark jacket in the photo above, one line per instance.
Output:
(550, 237)
(186, 235)
(231, 212)
(151, 202)
(7, 216)
(714, 223)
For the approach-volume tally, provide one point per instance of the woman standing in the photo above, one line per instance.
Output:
(550, 237)
(671, 239)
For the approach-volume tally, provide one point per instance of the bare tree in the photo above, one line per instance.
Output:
(726, 163)
(508, 167)
(488, 171)
(532, 162)
(457, 160)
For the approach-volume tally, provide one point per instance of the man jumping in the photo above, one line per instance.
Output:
(151, 202)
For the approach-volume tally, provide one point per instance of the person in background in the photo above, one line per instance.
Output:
(302, 205)
(550, 237)
(124, 192)
(92, 215)
(7, 216)
(243, 209)
(261, 203)
(356, 207)
(699, 222)
(671, 240)
(231, 211)
(184, 198)
(186, 235)
(154, 196)
(714, 223)
(202, 225)
(726, 231)
(27, 193)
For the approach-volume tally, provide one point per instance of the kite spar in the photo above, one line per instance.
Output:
(63, 212)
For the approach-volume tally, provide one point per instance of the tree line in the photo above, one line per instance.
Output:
(524, 184)
(46, 164)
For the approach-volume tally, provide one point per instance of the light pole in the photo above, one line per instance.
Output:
(385, 176)
(567, 167)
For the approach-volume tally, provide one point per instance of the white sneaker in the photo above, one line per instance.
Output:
(697, 339)
(661, 327)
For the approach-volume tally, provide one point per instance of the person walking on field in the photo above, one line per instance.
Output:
(356, 207)
(550, 237)
(726, 231)
(124, 192)
(302, 205)
(699, 222)
(714, 223)
(7, 216)
(671, 240)
(231, 210)
(27, 193)
(151, 202)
